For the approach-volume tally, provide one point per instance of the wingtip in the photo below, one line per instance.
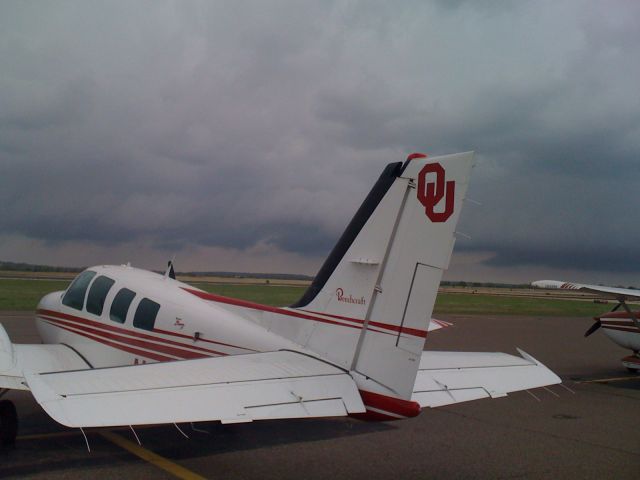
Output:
(531, 359)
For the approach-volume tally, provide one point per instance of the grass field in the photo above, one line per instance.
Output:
(19, 294)
(22, 294)
(478, 304)
(276, 295)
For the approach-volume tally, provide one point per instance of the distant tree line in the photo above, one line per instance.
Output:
(456, 283)
(274, 276)
(27, 267)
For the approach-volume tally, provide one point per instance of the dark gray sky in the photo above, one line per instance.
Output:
(243, 135)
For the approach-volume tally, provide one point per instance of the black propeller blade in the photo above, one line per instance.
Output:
(593, 328)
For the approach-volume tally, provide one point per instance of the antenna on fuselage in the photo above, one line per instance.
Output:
(170, 272)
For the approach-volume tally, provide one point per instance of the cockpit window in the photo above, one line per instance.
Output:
(97, 294)
(146, 314)
(74, 297)
(120, 305)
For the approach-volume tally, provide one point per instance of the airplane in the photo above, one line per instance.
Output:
(124, 346)
(623, 328)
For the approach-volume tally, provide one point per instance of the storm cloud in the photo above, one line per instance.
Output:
(253, 129)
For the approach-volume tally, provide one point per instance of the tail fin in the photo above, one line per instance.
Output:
(382, 277)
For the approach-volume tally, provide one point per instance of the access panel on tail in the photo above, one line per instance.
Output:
(382, 276)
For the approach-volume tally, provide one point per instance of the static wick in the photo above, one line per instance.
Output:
(135, 435)
(198, 429)
(566, 388)
(533, 395)
(183, 434)
(85, 440)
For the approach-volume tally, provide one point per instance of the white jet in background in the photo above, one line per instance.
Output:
(622, 328)
(124, 346)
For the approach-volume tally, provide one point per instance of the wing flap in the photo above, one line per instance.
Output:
(239, 388)
(445, 378)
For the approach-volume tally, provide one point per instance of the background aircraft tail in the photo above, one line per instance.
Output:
(373, 297)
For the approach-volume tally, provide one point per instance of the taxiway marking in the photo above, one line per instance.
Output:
(607, 380)
(146, 455)
(153, 458)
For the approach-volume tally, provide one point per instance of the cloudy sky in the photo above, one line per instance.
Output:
(243, 135)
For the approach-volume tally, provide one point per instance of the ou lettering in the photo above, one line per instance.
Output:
(430, 194)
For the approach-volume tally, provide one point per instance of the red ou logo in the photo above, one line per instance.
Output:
(431, 194)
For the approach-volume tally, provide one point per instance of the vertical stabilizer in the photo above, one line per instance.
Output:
(376, 291)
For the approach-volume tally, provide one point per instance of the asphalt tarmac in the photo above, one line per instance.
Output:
(591, 433)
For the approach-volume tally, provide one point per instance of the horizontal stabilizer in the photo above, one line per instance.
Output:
(232, 389)
(17, 358)
(436, 324)
(445, 378)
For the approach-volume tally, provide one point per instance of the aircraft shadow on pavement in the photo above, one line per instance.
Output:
(49, 452)
(248, 436)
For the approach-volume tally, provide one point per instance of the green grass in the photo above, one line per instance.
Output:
(275, 295)
(478, 304)
(19, 294)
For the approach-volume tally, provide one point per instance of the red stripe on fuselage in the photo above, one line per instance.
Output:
(265, 308)
(295, 313)
(632, 359)
(396, 328)
(621, 323)
(135, 351)
(397, 406)
(176, 352)
(112, 328)
(629, 329)
(190, 337)
(621, 315)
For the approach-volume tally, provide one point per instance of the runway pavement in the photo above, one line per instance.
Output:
(592, 433)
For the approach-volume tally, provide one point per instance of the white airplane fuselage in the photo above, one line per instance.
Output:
(189, 323)
(622, 330)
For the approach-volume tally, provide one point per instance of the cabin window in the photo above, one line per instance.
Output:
(120, 305)
(74, 297)
(145, 316)
(97, 294)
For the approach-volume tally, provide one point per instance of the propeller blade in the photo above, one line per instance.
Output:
(593, 328)
(616, 307)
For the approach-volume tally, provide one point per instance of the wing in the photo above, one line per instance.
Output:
(452, 377)
(238, 388)
(609, 292)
